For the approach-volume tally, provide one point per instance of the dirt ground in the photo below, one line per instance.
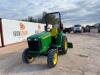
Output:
(83, 59)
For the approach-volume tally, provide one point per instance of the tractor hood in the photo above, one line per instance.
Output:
(39, 35)
(39, 42)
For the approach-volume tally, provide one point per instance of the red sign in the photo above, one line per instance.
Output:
(22, 31)
(22, 26)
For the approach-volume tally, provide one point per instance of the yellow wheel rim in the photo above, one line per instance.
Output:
(30, 59)
(55, 58)
(65, 44)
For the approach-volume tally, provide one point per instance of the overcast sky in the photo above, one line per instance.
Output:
(73, 11)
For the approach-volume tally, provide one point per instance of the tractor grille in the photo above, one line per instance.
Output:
(33, 45)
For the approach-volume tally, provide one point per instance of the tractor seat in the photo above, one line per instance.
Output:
(53, 31)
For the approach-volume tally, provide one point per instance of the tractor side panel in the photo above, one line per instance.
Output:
(45, 41)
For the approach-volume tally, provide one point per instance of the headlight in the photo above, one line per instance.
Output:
(29, 39)
(35, 39)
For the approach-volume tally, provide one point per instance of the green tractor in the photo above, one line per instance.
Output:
(50, 42)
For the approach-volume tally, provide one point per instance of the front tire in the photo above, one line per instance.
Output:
(52, 58)
(26, 57)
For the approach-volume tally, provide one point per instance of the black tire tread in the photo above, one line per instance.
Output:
(25, 54)
(50, 58)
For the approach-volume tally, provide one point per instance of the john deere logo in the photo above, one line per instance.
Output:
(22, 30)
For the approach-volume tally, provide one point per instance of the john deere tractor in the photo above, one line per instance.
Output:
(51, 42)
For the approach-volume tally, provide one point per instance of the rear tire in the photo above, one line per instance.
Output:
(64, 45)
(52, 58)
(26, 56)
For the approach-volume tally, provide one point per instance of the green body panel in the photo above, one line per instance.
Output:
(39, 35)
(45, 42)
